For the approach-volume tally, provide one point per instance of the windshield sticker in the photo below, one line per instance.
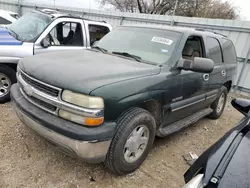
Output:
(164, 51)
(162, 40)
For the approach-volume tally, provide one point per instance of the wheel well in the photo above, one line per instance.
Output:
(155, 108)
(228, 85)
(11, 65)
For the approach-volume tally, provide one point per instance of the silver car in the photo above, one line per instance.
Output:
(41, 31)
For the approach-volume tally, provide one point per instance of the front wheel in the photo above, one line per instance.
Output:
(7, 78)
(219, 105)
(132, 142)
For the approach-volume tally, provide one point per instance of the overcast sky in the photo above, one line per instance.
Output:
(244, 5)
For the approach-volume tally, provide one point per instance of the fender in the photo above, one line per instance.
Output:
(10, 59)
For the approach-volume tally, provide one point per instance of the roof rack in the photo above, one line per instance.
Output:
(211, 31)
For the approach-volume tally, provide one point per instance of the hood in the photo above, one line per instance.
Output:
(7, 39)
(238, 170)
(83, 70)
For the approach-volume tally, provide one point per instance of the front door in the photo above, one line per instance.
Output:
(193, 85)
(218, 77)
(63, 34)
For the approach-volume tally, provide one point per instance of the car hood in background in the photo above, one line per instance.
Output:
(83, 70)
(211, 158)
(238, 171)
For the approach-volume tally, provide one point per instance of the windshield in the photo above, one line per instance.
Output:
(153, 45)
(30, 26)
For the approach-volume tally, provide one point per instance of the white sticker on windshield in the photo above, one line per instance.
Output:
(162, 40)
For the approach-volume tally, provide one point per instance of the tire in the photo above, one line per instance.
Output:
(131, 124)
(7, 78)
(217, 106)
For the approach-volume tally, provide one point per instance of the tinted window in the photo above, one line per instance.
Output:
(214, 50)
(229, 51)
(153, 45)
(4, 21)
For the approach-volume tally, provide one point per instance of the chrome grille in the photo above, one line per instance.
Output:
(50, 91)
(43, 104)
(48, 97)
(42, 87)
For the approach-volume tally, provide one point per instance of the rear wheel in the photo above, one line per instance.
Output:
(219, 105)
(7, 78)
(132, 142)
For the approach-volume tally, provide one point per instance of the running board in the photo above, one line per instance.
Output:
(181, 124)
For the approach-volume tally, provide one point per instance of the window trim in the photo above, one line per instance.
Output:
(203, 49)
(54, 23)
(70, 26)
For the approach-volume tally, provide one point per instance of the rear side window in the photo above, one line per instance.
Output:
(229, 51)
(4, 21)
(214, 50)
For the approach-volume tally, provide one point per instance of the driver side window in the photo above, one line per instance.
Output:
(193, 48)
(66, 34)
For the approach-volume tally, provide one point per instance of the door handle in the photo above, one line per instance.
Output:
(223, 73)
(206, 77)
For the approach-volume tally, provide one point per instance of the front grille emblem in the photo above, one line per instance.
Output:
(28, 90)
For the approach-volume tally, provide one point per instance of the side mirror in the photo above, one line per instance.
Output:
(45, 43)
(202, 65)
(242, 105)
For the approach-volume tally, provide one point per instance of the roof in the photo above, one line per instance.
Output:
(57, 14)
(179, 29)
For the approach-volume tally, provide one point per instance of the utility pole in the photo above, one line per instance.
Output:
(175, 7)
(19, 7)
(196, 8)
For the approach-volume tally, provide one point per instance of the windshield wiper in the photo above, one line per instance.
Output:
(100, 49)
(12, 32)
(126, 54)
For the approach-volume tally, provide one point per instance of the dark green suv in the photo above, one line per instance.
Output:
(108, 103)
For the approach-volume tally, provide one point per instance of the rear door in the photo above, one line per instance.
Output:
(217, 78)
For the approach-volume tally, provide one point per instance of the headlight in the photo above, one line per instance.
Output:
(80, 119)
(82, 100)
(196, 182)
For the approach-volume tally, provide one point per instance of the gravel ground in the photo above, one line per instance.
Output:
(29, 161)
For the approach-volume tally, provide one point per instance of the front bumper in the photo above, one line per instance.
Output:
(90, 144)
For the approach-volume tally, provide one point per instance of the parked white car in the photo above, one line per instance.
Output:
(8, 17)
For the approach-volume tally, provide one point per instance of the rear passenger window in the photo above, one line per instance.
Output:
(96, 32)
(214, 50)
(229, 51)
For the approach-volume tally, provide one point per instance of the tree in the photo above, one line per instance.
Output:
(190, 8)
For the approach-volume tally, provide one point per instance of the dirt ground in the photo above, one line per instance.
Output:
(26, 160)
